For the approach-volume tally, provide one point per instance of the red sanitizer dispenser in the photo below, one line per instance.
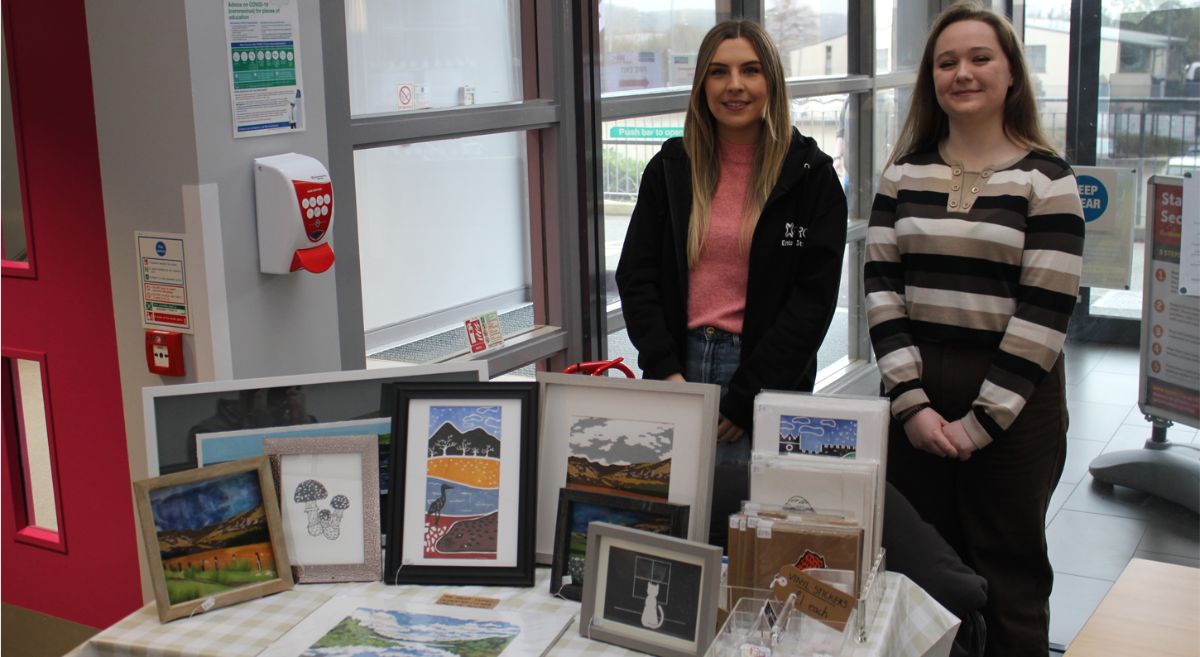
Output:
(294, 203)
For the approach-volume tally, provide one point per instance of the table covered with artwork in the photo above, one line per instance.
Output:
(909, 623)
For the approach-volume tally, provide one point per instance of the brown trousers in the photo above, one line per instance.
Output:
(992, 508)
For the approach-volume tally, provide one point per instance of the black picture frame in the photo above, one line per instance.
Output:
(408, 556)
(569, 499)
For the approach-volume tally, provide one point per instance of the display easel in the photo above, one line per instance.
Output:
(1166, 392)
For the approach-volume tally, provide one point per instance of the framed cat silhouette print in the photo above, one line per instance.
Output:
(649, 592)
(461, 507)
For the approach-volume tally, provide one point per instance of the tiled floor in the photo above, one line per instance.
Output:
(1094, 529)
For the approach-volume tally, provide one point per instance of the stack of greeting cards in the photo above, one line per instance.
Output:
(816, 487)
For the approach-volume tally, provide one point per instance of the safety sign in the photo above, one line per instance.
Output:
(162, 280)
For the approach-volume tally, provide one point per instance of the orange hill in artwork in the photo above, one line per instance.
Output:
(474, 471)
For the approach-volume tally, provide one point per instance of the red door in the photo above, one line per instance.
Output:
(67, 540)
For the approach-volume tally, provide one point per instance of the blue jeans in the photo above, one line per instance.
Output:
(713, 356)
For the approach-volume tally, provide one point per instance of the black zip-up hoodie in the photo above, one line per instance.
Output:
(791, 292)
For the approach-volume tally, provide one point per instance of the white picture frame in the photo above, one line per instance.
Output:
(223, 446)
(802, 423)
(410, 624)
(173, 415)
(689, 410)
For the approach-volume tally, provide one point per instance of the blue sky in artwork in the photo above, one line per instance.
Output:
(814, 432)
(205, 503)
(465, 418)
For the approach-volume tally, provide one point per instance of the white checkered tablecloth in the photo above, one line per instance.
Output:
(909, 624)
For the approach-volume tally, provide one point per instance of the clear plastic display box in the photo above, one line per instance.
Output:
(761, 625)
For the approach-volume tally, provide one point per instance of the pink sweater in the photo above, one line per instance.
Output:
(717, 284)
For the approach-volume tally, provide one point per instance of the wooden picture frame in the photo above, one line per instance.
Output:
(652, 593)
(578, 508)
(657, 433)
(329, 506)
(464, 514)
(236, 503)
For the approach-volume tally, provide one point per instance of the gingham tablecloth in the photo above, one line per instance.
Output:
(909, 623)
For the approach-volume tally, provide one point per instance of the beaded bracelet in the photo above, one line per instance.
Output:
(910, 413)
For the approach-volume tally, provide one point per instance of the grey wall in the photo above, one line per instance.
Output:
(278, 324)
(169, 164)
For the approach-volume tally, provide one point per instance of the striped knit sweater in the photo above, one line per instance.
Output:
(995, 264)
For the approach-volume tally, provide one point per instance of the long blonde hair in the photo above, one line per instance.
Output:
(927, 123)
(700, 136)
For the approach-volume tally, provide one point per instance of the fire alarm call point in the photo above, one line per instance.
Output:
(294, 203)
(164, 352)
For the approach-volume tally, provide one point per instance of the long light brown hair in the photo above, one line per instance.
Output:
(927, 123)
(700, 136)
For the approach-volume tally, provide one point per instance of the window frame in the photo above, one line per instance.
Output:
(550, 118)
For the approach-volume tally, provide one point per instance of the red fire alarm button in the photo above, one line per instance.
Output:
(164, 352)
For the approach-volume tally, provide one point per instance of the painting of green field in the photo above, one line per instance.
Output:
(212, 536)
(202, 574)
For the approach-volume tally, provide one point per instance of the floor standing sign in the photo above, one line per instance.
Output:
(1169, 384)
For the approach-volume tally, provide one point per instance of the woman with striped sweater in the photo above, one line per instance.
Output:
(973, 259)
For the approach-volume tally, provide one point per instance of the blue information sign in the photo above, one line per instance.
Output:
(1094, 195)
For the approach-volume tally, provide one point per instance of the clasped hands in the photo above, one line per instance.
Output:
(929, 431)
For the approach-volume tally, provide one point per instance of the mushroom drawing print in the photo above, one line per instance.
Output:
(212, 536)
(626, 457)
(321, 521)
(462, 482)
(321, 501)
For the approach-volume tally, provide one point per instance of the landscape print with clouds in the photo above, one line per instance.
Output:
(390, 633)
(626, 457)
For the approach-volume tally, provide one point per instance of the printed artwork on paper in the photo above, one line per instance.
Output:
(462, 484)
(653, 593)
(390, 633)
(212, 536)
(820, 436)
(583, 514)
(626, 457)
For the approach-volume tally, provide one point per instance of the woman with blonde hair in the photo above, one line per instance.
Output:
(973, 258)
(733, 256)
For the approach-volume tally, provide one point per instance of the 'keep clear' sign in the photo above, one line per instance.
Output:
(1109, 197)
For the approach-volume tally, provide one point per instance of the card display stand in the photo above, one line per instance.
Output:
(761, 625)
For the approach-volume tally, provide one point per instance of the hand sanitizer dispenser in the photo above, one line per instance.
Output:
(294, 203)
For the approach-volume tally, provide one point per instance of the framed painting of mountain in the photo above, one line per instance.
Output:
(578, 509)
(379, 626)
(650, 440)
(461, 509)
(213, 537)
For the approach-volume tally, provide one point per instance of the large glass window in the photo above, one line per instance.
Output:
(443, 236)
(811, 36)
(648, 45)
(891, 107)
(420, 55)
(1048, 39)
(1148, 115)
(900, 29)
(627, 146)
